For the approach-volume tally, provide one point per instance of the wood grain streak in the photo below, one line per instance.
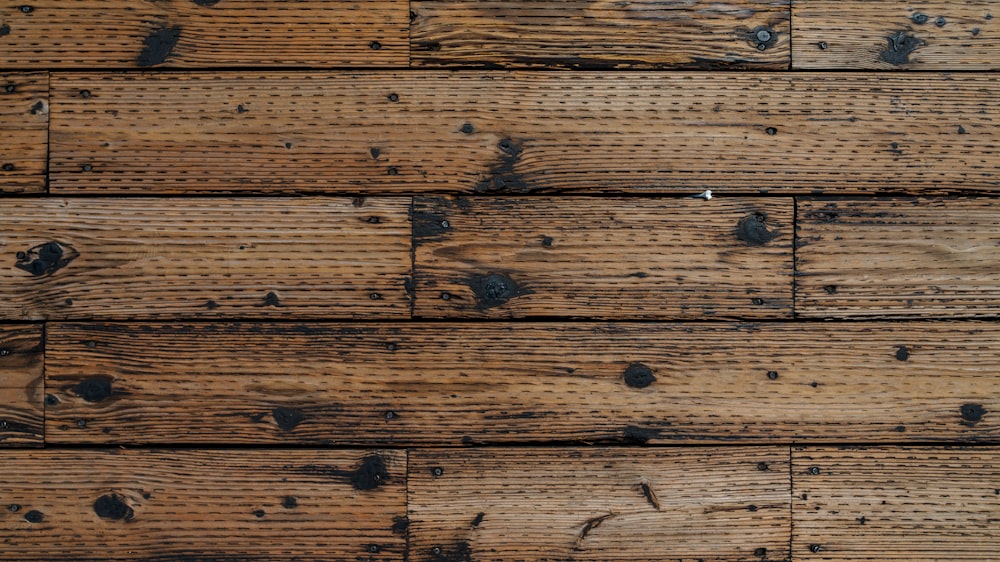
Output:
(22, 414)
(24, 123)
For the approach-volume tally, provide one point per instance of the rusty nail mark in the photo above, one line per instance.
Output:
(822, 45)
(375, 45)
(773, 375)
(84, 94)
(919, 18)
(393, 97)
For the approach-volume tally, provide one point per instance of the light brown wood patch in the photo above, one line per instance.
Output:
(22, 415)
(898, 258)
(204, 258)
(602, 34)
(24, 122)
(202, 504)
(896, 504)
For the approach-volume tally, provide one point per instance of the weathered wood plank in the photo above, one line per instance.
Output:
(890, 34)
(202, 505)
(896, 504)
(613, 258)
(898, 258)
(516, 132)
(22, 415)
(467, 383)
(603, 34)
(24, 122)
(203, 33)
(204, 258)
(599, 504)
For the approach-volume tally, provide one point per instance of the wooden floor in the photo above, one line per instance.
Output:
(500, 280)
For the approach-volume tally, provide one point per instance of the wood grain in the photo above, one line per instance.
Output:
(204, 258)
(95, 34)
(202, 504)
(898, 258)
(612, 258)
(599, 504)
(601, 34)
(891, 34)
(517, 132)
(896, 504)
(24, 122)
(22, 414)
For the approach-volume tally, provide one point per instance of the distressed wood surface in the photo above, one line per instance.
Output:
(896, 34)
(913, 258)
(88, 34)
(607, 258)
(601, 34)
(599, 504)
(104, 258)
(22, 414)
(24, 123)
(896, 504)
(517, 132)
(202, 505)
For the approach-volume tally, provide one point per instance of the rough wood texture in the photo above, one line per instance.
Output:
(22, 415)
(607, 258)
(202, 505)
(601, 34)
(900, 504)
(24, 123)
(204, 258)
(898, 258)
(519, 132)
(888, 34)
(599, 504)
(203, 33)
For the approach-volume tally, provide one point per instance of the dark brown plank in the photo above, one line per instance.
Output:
(604, 34)
(22, 415)
(24, 122)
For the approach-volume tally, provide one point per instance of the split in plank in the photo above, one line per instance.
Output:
(528, 504)
(55, 34)
(896, 504)
(24, 122)
(603, 34)
(22, 415)
(204, 258)
(202, 504)
(898, 258)
(517, 132)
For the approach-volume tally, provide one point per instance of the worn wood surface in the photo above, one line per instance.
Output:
(89, 34)
(202, 505)
(516, 132)
(599, 504)
(601, 34)
(204, 258)
(914, 258)
(896, 504)
(24, 123)
(22, 414)
(896, 34)
(608, 258)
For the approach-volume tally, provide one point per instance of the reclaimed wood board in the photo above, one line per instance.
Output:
(744, 34)
(22, 414)
(105, 34)
(202, 504)
(102, 258)
(599, 504)
(907, 258)
(896, 34)
(520, 132)
(24, 122)
(896, 503)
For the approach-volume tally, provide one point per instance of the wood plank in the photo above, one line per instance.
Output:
(415, 384)
(516, 132)
(22, 414)
(613, 258)
(599, 504)
(202, 505)
(204, 258)
(905, 504)
(891, 34)
(603, 34)
(898, 258)
(203, 33)
(24, 122)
